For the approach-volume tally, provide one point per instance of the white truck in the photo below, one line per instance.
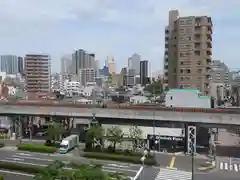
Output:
(68, 143)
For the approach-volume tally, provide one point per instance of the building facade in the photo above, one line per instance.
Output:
(144, 72)
(38, 72)
(111, 65)
(87, 76)
(188, 50)
(82, 60)
(9, 64)
(134, 63)
(220, 73)
(66, 64)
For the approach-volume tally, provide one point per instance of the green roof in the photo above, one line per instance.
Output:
(184, 90)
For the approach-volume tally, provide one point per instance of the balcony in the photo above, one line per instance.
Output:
(209, 52)
(209, 38)
(209, 45)
(208, 77)
(209, 61)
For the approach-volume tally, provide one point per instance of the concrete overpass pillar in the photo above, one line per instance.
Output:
(190, 135)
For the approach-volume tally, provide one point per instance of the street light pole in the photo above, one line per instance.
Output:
(192, 161)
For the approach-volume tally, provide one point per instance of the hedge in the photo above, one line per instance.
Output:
(117, 151)
(1, 145)
(37, 148)
(118, 157)
(21, 167)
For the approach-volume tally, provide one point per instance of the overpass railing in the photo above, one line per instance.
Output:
(120, 106)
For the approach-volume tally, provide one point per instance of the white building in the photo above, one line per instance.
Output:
(139, 99)
(191, 98)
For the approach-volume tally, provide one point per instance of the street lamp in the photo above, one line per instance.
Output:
(192, 161)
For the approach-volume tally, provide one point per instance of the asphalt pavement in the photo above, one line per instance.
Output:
(39, 159)
(9, 175)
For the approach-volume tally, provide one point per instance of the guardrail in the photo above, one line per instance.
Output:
(120, 106)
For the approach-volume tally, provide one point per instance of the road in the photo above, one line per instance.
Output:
(39, 159)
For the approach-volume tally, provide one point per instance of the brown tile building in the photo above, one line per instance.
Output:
(188, 50)
(37, 72)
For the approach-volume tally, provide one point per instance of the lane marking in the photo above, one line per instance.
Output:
(138, 173)
(122, 169)
(172, 162)
(33, 158)
(221, 165)
(117, 165)
(19, 162)
(15, 159)
(16, 173)
(226, 166)
(231, 167)
(236, 167)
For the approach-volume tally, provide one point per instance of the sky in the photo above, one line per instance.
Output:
(116, 28)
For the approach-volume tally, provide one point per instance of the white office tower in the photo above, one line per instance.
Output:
(134, 63)
(66, 64)
(173, 174)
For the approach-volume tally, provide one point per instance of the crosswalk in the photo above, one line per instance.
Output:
(226, 166)
(173, 174)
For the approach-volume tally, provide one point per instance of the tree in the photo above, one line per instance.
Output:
(155, 88)
(55, 131)
(95, 132)
(1, 178)
(56, 171)
(135, 136)
(114, 135)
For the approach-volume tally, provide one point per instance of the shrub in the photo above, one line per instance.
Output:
(110, 150)
(20, 167)
(37, 148)
(119, 157)
(1, 145)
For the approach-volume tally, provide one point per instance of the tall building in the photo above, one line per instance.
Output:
(66, 64)
(38, 72)
(20, 65)
(144, 72)
(220, 73)
(87, 75)
(111, 65)
(134, 63)
(82, 60)
(9, 64)
(188, 50)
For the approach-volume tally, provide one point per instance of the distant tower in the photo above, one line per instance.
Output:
(111, 65)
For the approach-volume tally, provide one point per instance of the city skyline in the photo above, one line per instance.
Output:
(118, 29)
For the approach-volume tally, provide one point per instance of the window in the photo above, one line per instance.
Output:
(171, 98)
(181, 71)
(188, 71)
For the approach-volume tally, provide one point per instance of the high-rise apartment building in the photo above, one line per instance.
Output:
(87, 75)
(38, 72)
(134, 63)
(9, 64)
(220, 73)
(111, 65)
(20, 65)
(66, 64)
(188, 50)
(82, 60)
(144, 72)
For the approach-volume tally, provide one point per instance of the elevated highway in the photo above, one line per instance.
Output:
(168, 115)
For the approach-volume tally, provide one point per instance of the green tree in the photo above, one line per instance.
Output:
(115, 136)
(55, 131)
(155, 88)
(135, 136)
(95, 132)
(1, 178)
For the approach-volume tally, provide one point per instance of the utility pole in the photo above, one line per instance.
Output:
(192, 161)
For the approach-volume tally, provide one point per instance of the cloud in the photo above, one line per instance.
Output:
(110, 27)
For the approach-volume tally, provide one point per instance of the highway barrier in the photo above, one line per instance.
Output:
(120, 106)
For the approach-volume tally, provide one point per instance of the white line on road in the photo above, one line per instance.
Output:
(121, 169)
(236, 167)
(15, 159)
(221, 165)
(33, 158)
(19, 162)
(16, 173)
(117, 165)
(226, 166)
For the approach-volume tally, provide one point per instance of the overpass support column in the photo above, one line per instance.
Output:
(190, 132)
